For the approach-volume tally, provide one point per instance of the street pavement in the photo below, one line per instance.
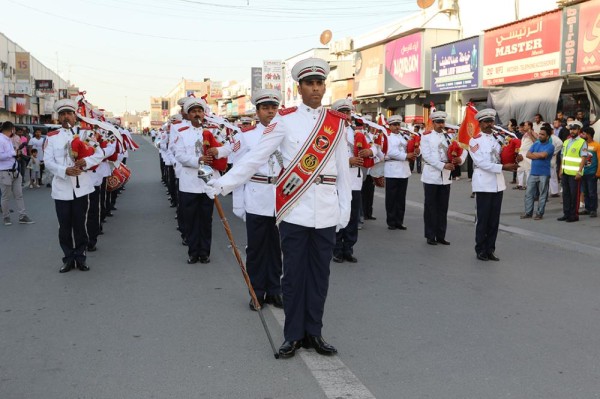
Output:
(409, 320)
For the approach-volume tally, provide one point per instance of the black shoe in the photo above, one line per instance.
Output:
(204, 259)
(275, 300)
(431, 241)
(66, 267)
(82, 266)
(173, 205)
(442, 241)
(584, 212)
(317, 342)
(91, 248)
(574, 219)
(109, 214)
(562, 218)
(391, 227)
(288, 348)
(350, 258)
(192, 259)
(184, 242)
(492, 256)
(338, 259)
(482, 256)
(401, 227)
(370, 218)
(113, 209)
(100, 233)
(260, 302)
(48, 185)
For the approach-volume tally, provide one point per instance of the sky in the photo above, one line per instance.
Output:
(122, 52)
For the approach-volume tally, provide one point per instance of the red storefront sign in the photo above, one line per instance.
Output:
(523, 51)
(581, 38)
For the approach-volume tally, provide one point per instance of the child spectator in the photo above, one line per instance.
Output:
(34, 169)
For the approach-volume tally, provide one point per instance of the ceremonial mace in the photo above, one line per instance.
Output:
(205, 172)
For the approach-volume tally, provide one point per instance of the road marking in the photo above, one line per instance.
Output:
(532, 235)
(332, 375)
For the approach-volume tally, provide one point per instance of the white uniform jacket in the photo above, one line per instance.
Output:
(253, 197)
(357, 174)
(104, 167)
(187, 150)
(95, 176)
(164, 146)
(396, 164)
(172, 136)
(487, 169)
(322, 205)
(434, 150)
(57, 160)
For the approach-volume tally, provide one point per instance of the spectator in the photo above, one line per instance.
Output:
(34, 169)
(574, 157)
(22, 155)
(10, 182)
(559, 130)
(558, 144)
(538, 121)
(540, 153)
(560, 116)
(589, 181)
(37, 142)
(580, 116)
(525, 165)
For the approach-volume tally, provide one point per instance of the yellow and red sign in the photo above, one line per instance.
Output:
(523, 51)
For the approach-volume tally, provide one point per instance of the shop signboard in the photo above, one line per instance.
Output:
(368, 72)
(455, 66)
(256, 78)
(523, 51)
(581, 38)
(403, 59)
(272, 74)
(22, 65)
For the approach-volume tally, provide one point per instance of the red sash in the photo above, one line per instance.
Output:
(309, 162)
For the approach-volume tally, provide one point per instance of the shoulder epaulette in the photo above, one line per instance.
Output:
(181, 129)
(337, 113)
(52, 133)
(287, 111)
(247, 129)
(427, 132)
(478, 135)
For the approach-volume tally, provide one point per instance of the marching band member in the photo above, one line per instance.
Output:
(368, 185)
(437, 151)
(70, 186)
(177, 166)
(255, 203)
(347, 237)
(312, 200)
(396, 172)
(488, 184)
(196, 206)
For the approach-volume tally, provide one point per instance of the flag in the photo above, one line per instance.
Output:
(381, 120)
(469, 126)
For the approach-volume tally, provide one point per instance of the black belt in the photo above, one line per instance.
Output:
(264, 179)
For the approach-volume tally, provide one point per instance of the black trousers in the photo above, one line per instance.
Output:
(171, 184)
(179, 214)
(488, 221)
(570, 196)
(72, 233)
(263, 255)
(163, 169)
(348, 236)
(103, 195)
(435, 211)
(395, 200)
(306, 255)
(197, 211)
(367, 192)
(93, 217)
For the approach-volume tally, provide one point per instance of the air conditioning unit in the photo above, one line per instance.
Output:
(449, 6)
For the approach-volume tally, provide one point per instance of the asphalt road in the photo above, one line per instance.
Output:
(409, 320)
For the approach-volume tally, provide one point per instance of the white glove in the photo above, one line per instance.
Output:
(210, 192)
(213, 188)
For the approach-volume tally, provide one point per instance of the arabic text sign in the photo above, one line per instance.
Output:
(455, 66)
(581, 38)
(526, 50)
(403, 63)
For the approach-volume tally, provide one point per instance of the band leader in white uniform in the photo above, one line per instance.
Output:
(308, 230)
